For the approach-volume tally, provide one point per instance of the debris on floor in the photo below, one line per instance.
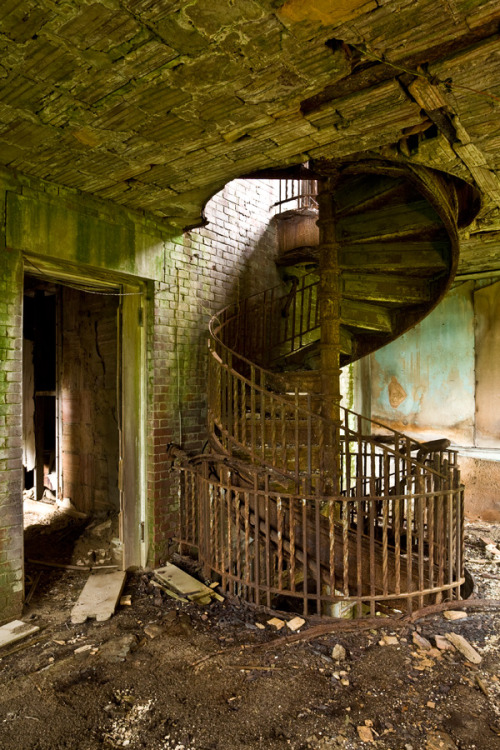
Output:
(15, 631)
(462, 645)
(167, 674)
(295, 623)
(183, 584)
(99, 597)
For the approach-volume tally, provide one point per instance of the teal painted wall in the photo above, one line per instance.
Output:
(424, 382)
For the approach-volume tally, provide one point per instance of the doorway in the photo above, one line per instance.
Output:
(71, 424)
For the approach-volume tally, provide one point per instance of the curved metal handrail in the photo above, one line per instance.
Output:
(385, 530)
(241, 374)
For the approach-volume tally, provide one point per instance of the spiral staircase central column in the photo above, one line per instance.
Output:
(329, 311)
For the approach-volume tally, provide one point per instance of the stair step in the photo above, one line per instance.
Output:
(366, 316)
(410, 257)
(386, 288)
(385, 192)
(310, 351)
(355, 192)
(302, 254)
(417, 219)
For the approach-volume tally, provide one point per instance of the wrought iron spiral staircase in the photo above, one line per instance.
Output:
(299, 498)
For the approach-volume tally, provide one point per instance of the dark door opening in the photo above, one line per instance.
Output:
(39, 389)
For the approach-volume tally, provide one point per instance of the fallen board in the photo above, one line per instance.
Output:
(184, 584)
(99, 597)
(15, 631)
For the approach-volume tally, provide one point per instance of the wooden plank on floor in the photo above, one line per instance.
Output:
(15, 631)
(184, 584)
(99, 597)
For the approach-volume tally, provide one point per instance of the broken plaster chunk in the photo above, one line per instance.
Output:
(154, 630)
(275, 622)
(83, 649)
(295, 624)
(338, 653)
(421, 642)
(493, 550)
(365, 734)
(389, 640)
(454, 614)
(443, 644)
(462, 645)
(117, 650)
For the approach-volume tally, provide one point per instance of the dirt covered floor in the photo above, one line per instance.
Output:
(165, 675)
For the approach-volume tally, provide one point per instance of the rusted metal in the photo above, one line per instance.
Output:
(391, 534)
(279, 544)
(305, 499)
(297, 194)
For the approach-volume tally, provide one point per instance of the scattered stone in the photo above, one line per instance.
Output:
(153, 630)
(431, 704)
(365, 734)
(443, 644)
(117, 650)
(389, 640)
(424, 663)
(454, 614)
(275, 622)
(338, 653)
(421, 642)
(439, 741)
(83, 649)
(260, 626)
(462, 645)
(295, 624)
(492, 550)
(126, 600)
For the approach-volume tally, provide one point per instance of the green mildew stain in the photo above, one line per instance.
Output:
(104, 245)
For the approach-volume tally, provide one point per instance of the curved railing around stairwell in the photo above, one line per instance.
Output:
(389, 535)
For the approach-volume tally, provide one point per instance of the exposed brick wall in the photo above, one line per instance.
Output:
(190, 277)
(232, 257)
(11, 516)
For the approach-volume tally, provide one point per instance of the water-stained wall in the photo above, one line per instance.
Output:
(487, 339)
(424, 382)
(442, 380)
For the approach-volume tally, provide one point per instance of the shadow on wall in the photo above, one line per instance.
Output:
(232, 257)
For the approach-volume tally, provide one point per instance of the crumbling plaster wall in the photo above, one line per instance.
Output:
(423, 382)
(188, 277)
